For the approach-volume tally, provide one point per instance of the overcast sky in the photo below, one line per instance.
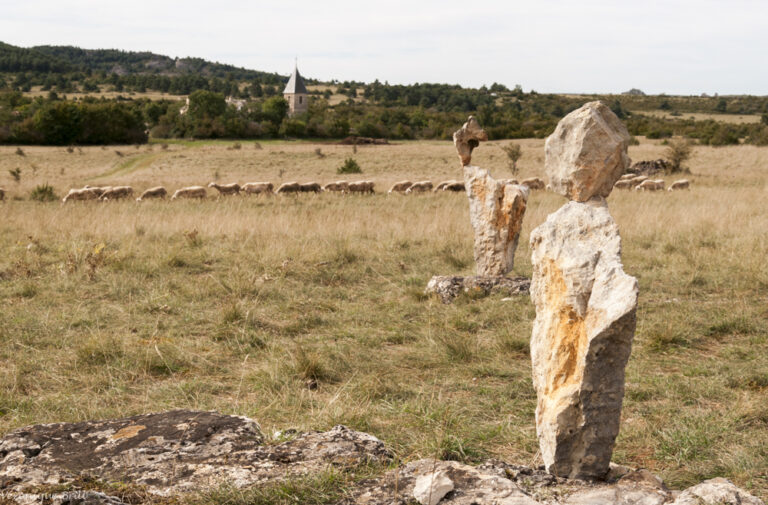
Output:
(673, 47)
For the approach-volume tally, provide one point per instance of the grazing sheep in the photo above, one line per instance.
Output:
(310, 187)
(257, 188)
(419, 187)
(98, 189)
(400, 187)
(361, 187)
(627, 177)
(2, 194)
(338, 186)
(80, 194)
(623, 184)
(190, 192)
(453, 186)
(681, 184)
(156, 192)
(650, 185)
(533, 183)
(116, 193)
(289, 187)
(638, 180)
(226, 189)
(442, 185)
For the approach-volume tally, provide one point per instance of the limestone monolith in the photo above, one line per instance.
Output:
(585, 308)
(496, 212)
(496, 209)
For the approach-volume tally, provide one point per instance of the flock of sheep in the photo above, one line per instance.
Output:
(106, 193)
(645, 183)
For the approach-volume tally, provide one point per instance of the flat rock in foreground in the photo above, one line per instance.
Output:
(173, 452)
(179, 452)
(582, 337)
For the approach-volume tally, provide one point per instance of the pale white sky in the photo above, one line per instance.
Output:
(674, 46)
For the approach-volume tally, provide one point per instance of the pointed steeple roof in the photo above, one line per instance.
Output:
(295, 83)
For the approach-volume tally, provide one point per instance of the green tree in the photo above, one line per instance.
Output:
(275, 109)
(59, 123)
(722, 105)
(206, 104)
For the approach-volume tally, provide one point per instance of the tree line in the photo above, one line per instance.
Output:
(208, 115)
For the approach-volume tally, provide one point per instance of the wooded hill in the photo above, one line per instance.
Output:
(415, 111)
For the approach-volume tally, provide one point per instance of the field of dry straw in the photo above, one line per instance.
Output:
(308, 312)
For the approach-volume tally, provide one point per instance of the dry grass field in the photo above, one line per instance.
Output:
(701, 116)
(243, 305)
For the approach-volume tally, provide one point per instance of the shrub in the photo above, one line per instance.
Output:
(350, 166)
(514, 152)
(677, 152)
(43, 193)
(16, 174)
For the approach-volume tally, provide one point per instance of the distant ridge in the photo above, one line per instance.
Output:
(68, 59)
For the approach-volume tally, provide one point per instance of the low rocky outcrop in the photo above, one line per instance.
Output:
(448, 287)
(173, 452)
(649, 167)
(168, 457)
(499, 483)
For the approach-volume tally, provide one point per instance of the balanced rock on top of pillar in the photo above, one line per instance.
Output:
(467, 138)
(587, 153)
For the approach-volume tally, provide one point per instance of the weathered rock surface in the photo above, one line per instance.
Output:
(496, 211)
(448, 287)
(499, 483)
(431, 487)
(587, 153)
(173, 452)
(716, 492)
(582, 337)
(467, 138)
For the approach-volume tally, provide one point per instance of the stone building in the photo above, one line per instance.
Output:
(296, 94)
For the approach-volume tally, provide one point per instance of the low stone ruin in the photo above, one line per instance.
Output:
(496, 211)
(169, 457)
(585, 303)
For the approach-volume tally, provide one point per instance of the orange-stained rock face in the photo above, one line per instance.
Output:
(567, 336)
(496, 211)
(582, 337)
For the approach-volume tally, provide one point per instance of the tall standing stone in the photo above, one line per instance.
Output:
(496, 209)
(585, 303)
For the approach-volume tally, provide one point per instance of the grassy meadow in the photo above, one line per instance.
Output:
(306, 312)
